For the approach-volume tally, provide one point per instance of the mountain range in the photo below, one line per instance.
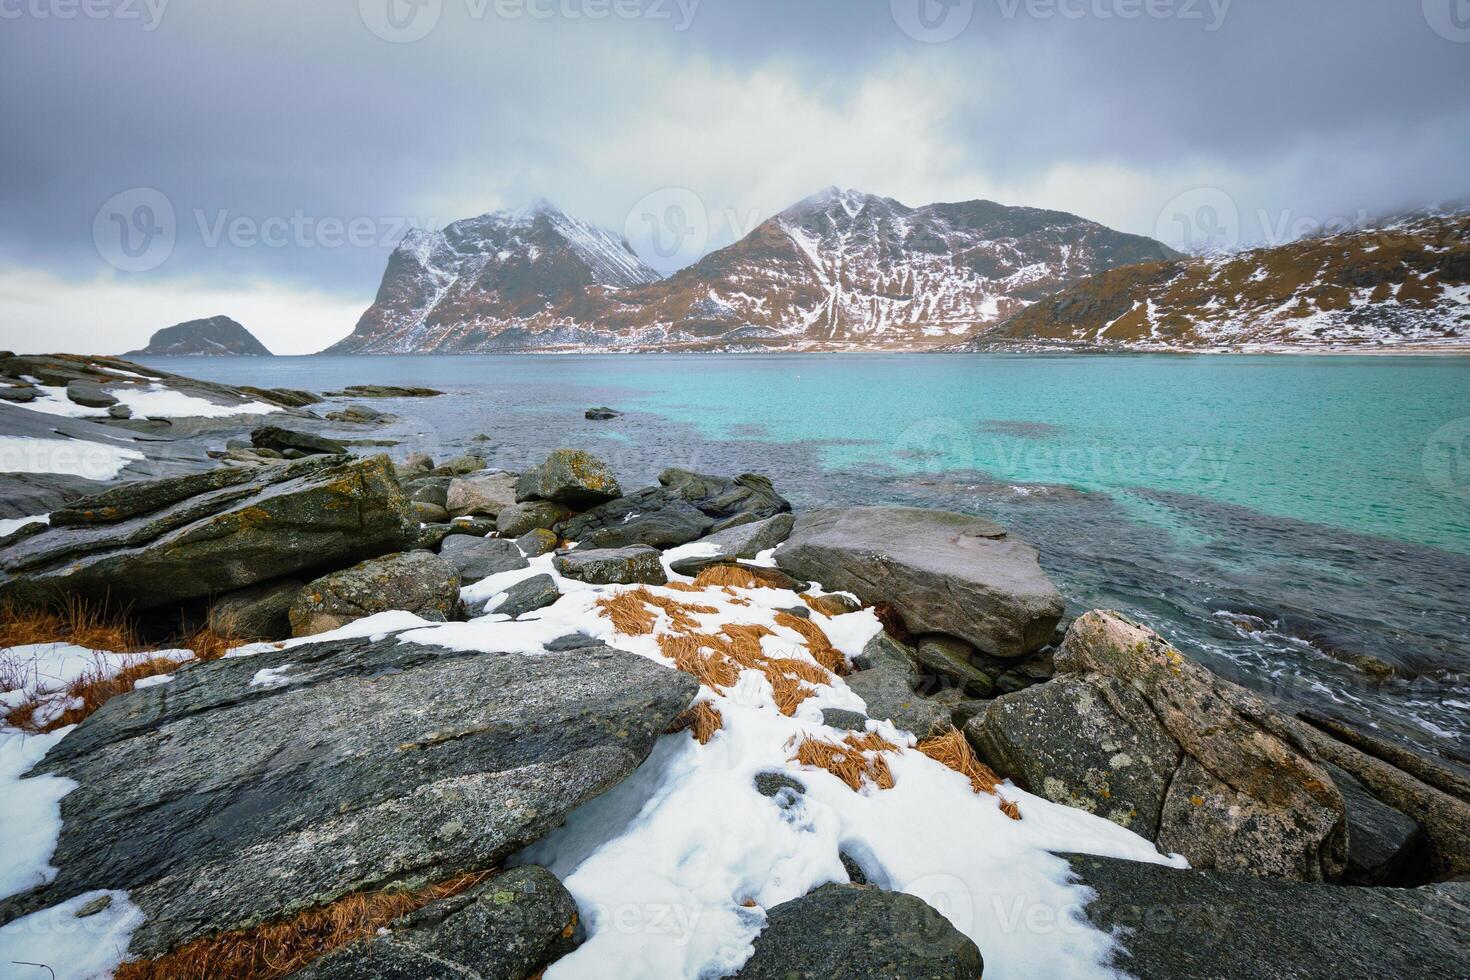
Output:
(840, 270)
(844, 270)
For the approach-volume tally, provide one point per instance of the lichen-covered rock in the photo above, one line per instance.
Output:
(571, 477)
(613, 566)
(855, 931)
(942, 572)
(537, 542)
(505, 928)
(1135, 731)
(745, 499)
(652, 516)
(168, 541)
(480, 493)
(250, 788)
(518, 519)
(415, 581)
(741, 541)
(886, 680)
(525, 596)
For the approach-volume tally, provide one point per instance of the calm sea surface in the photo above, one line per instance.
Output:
(1279, 517)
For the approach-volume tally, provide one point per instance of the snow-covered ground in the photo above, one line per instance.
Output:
(75, 457)
(153, 401)
(674, 868)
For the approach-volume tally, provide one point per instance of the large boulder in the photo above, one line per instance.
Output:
(887, 681)
(90, 394)
(571, 477)
(1211, 925)
(515, 520)
(613, 566)
(745, 499)
(842, 931)
(942, 572)
(1383, 842)
(476, 558)
(652, 516)
(505, 928)
(282, 440)
(480, 493)
(734, 543)
(1133, 730)
(172, 540)
(251, 788)
(414, 581)
(527, 595)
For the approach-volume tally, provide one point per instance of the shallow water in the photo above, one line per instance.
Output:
(1276, 516)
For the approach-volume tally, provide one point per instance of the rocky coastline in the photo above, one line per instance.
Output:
(457, 695)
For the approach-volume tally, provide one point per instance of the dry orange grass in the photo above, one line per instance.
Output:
(704, 719)
(83, 623)
(855, 759)
(817, 643)
(688, 652)
(729, 576)
(953, 750)
(276, 949)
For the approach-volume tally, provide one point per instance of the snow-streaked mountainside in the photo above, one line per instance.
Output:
(1402, 285)
(839, 270)
(215, 336)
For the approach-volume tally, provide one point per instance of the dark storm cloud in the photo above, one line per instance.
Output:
(294, 142)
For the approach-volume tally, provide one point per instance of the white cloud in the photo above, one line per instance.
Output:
(43, 312)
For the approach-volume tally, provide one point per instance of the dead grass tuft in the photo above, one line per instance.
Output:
(704, 719)
(729, 576)
(276, 949)
(817, 643)
(687, 650)
(855, 759)
(84, 623)
(630, 615)
(952, 750)
(1009, 808)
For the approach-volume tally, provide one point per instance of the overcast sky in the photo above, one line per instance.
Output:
(169, 159)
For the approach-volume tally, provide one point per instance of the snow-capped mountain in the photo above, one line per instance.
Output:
(838, 270)
(481, 283)
(1405, 283)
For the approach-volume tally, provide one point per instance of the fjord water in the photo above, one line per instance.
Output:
(1281, 517)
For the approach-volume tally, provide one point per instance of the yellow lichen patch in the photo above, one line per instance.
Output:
(854, 760)
(277, 949)
(703, 720)
(952, 750)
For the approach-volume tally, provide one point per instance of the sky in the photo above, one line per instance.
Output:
(164, 160)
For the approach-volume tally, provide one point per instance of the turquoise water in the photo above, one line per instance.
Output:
(1324, 502)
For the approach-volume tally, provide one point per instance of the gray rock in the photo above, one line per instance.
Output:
(505, 928)
(852, 721)
(426, 512)
(459, 466)
(741, 541)
(571, 477)
(886, 681)
(528, 595)
(481, 493)
(1213, 925)
(770, 782)
(518, 519)
(602, 414)
(1093, 744)
(613, 566)
(384, 391)
(429, 489)
(17, 393)
(284, 440)
(572, 641)
(119, 412)
(478, 527)
(257, 612)
(359, 414)
(537, 542)
(415, 464)
(942, 572)
(1133, 730)
(415, 581)
(652, 516)
(166, 541)
(431, 536)
(744, 500)
(853, 931)
(90, 394)
(477, 558)
(1382, 842)
(944, 662)
(218, 802)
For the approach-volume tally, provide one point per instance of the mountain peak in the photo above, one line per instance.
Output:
(216, 335)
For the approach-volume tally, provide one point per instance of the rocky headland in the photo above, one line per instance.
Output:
(469, 723)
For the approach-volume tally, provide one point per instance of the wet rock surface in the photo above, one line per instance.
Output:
(653, 516)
